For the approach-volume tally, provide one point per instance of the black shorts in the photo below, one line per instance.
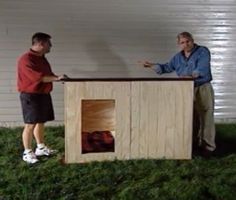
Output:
(36, 108)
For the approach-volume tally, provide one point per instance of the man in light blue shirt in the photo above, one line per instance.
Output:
(194, 61)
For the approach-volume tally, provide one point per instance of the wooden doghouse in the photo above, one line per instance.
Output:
(107, 119)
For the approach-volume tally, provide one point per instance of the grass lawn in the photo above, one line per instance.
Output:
(196, 179)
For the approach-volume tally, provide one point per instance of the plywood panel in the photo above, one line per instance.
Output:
(102, 91)
(161, 116)
(153, 127)
(72, 124)
(169, 109)
(153, 119)
(144, 121)
(183, 120)
(135, 120)
(123, 116)
(161, 122)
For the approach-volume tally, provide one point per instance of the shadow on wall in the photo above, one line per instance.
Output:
(106, 62)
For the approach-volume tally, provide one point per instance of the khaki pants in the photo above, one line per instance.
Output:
(203, 120)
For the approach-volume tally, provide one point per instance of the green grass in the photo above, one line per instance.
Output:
(196, 179)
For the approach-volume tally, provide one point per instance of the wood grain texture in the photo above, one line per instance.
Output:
(98, 115)
(148, 119)
(119, 95)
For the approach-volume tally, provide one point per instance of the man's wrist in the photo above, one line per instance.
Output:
(56, 78)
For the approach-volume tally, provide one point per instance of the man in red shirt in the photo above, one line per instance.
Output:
(34, 82)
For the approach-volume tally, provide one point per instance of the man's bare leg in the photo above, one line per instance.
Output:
(42, 149)
(27, 135)
(39, 133)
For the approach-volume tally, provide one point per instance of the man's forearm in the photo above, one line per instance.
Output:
(47, 79)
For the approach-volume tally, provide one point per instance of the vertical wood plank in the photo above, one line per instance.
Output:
(169, 99)
(135, 120)
(72, 121)
(153, 110)
(144, 125)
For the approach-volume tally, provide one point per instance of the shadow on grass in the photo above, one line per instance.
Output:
(225, 139)
(225, 146)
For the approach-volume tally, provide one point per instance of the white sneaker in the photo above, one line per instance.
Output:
(30, 157)
(44, 151)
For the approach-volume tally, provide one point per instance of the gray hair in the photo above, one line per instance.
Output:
(185, 35)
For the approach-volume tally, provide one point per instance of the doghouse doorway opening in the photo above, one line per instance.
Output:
(98, 125)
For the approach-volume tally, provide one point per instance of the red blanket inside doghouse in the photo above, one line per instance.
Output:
(97, 141)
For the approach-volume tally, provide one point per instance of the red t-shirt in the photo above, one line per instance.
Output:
(31, 68)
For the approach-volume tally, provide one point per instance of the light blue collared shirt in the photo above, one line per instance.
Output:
(197, 63)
